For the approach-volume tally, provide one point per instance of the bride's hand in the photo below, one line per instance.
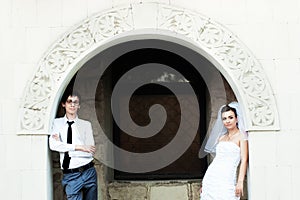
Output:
(239, 189)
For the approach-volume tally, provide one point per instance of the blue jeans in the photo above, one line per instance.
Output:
(81, 186)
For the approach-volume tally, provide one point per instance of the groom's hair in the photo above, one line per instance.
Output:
(68, 93)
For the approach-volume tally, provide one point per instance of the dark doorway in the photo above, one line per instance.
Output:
(188, 166)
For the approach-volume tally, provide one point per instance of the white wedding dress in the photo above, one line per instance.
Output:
(220, 178)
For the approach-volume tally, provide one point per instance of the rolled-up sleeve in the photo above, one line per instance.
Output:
(56, 145)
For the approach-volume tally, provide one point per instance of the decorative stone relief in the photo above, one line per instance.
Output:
(234, 58)
(208, 35)
(64, 53)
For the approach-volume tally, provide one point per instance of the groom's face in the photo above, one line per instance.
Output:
(71, 105)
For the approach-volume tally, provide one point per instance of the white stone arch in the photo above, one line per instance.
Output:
(221, 47)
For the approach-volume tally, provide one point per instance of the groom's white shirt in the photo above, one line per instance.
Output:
(82, 134)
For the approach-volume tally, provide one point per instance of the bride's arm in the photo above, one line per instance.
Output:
(243, 167)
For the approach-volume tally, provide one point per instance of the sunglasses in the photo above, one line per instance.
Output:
(70, 101)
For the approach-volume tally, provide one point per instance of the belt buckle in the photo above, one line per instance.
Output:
(81, 169)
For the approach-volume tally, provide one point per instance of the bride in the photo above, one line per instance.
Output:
(228, 140)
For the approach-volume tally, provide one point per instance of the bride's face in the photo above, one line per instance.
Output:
(229, 119)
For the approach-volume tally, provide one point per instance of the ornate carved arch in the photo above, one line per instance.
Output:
(223, 48)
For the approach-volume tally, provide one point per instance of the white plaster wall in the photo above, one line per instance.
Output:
(28, 28)
(269, 28)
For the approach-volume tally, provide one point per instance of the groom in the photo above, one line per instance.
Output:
(73, 139)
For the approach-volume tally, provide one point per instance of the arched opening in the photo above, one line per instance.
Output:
(96, 92)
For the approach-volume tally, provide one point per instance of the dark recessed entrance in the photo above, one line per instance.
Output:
(188, 166)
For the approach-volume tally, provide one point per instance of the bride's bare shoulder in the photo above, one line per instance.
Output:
(222, 138)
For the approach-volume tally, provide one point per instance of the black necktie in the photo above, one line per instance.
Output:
(67, 158)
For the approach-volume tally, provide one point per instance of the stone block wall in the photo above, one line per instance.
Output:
(157, 190)
(173, 190)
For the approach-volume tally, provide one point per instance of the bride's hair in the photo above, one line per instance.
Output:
(228, 108)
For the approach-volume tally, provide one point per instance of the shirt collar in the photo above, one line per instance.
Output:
(66, 119)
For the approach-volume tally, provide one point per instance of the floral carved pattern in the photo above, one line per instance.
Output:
(211, 36)
(64, 53)
(235, 58)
